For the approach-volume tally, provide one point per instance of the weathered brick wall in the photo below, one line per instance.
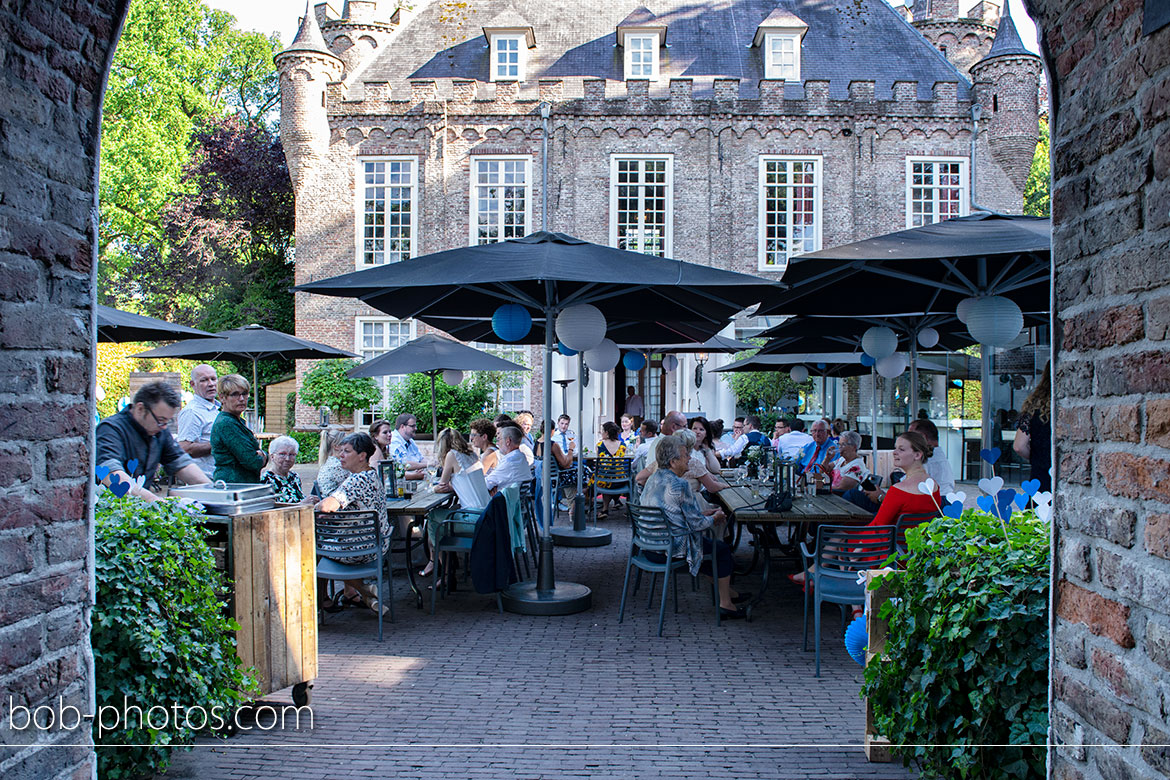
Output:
(1111, 226)
(53, 60)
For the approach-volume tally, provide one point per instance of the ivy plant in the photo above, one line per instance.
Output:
(457, 404)
(161, 637)
(327, 384)
(965, 664)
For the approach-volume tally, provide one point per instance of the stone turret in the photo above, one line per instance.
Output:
(358, 33)
(963, 39)
(1006, 85)
(306, 67)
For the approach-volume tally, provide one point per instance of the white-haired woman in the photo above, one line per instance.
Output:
(286, 483)
(849, 469)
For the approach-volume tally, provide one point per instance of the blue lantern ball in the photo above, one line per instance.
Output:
(867, 361)
(634, 361)
(511, 322)
(565, 350)
(821, 366)
(856, 639)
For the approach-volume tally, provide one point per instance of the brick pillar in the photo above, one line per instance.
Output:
(771, 95)
(638, 94)
(681, 94)
(552, 90)
(463, 90)
(594, 95)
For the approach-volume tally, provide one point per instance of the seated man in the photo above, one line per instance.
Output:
(512, 468)
(791, 443)
(752, 437)
(403, 448)
(817, 457)
(138, 435)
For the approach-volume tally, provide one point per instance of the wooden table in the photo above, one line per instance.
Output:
(809, 510)
(416, 508)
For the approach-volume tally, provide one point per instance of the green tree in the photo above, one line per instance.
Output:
(1037, 189)
(760, 392)
(327, 384)
(457, 404)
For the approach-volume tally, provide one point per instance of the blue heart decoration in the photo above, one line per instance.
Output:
(101, 472)
(1021, 500)
(991, 455)
(1004, 500)
(119, 487)
(1031, 487)
(131, 466)
(986, 503)
(953, 509)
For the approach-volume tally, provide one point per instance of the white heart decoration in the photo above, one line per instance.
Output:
(1044, 512)
(861, 577)
(960, 496)
(926, 488)
(141, 480)
(1042, 499)
(991, 486)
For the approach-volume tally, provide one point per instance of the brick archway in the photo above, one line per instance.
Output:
(1111, 214)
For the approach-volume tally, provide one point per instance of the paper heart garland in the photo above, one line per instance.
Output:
(1044, 512)
(986, 503)
(953, 510)
(1021, 500)
(991, 455)
(102, 472)
(1043, 498)
(959, 496)
(118, 486)
(131, 466)
(991, 486)
(1004, 500)
(926, 487)
(1031, 486)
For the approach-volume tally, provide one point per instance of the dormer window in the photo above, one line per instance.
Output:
(509, 39)
(780, 36)
(641, 56)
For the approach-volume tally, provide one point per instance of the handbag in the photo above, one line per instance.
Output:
(779, 502)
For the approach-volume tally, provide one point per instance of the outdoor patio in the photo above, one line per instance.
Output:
(576, 696)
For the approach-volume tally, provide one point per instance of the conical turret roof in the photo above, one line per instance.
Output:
(308, 37)
(1007, 38)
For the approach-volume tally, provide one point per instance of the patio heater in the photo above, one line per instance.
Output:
(580, 535)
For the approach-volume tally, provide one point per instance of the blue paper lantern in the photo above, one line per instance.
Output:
(511, 322)
(821, 366)
(857, 639)
(565, 350)
(867, 361)
(634, 361)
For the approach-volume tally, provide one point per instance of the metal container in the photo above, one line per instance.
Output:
(229, 499)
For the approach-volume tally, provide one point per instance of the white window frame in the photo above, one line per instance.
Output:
(521, 43)
(614, 159)
(963, 186)
(524, 377)
(473, 198)
(360, 208)
(774, 69)
(762, 223)
(386, 382)
(628, 56)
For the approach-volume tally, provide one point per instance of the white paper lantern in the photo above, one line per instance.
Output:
(927, 337)
(452, 376)
(963, 310)
(891, 365)
(879, 342)
(995, 321)
(669, 363)
(581, 327)
(799, 374)
(603, 357)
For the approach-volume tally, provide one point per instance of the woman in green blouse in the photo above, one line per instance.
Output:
(238, 457)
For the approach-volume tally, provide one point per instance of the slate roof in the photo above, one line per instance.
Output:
(308, 37)
(1007, 38)
(847, 40)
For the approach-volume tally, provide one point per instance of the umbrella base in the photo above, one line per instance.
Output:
(566, 598)
(586, 537)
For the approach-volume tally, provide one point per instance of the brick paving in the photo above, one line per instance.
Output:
(470, 693)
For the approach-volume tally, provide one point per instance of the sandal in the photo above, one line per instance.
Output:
(602, 515)
(426, 572)
(333, 605)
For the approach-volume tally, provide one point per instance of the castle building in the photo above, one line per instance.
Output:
(736, 134)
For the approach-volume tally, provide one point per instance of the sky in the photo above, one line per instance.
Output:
(281, 16)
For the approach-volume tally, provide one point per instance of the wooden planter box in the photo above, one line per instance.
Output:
(270, 557)
(877, 747)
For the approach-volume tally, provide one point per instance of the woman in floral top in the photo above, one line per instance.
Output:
(361, 490)
(286, 483)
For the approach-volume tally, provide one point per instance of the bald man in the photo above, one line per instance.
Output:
(197, 417)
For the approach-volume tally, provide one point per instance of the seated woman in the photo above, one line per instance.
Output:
(332, 473)
(669, 491)
(237, 453)
(483, 433)
(849, 470)
(704, 443)
(609, 447)
(528, 443)
(286, 483)
(380, 432)
(455, 455)
(629, 434)
(361, 490)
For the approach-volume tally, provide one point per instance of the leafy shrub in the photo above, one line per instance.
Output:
(160, 635)
(326, 384)
(966, 656)
(310, 442)
(458, 405)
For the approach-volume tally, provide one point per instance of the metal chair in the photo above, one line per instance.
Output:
(613, 477)
(906, 522)
(531, 531)
(652, 533)
(842, 551)
(353, 534)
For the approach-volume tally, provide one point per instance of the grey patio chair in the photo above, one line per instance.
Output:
(613, 477)
(346, 535)
(906, 522)
(652, 534)
(842, 551)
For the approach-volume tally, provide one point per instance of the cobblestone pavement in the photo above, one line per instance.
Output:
(470, 693)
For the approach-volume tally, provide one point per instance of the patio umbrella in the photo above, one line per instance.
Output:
(547, 273)
(646, 331)
(251, 342)
(115, 326)
(716, 343)
(432, 355)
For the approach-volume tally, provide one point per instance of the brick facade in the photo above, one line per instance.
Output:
(54, 58)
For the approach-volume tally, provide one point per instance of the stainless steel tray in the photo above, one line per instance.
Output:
(234, 509)
(224, 493)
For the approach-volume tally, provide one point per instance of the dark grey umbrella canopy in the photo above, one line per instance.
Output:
(835, 364)
(927, 269)
(116, 326)
(619, 328)
(251, 342)
(545, 270)
(432, 354)
(717, 343)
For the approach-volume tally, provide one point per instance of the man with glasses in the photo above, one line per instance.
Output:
(403, 448)
(197, 417)
(135, 442)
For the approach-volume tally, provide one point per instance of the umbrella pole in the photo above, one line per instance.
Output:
(913, 376)
(986, 469)
(874, 409)
(546, 596)
(579, 535)
(434, 412)
(255, 396)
